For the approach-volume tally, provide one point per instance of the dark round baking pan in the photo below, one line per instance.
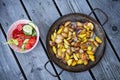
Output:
(82, 18)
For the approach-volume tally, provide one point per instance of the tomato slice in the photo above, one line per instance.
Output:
(14, 33)
(20, 42)
(17, 31)
(20, 26)
(28, 46)
(20, 38)
(31, 42)
(27, 37)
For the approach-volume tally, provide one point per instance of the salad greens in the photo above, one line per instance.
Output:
(12, 41)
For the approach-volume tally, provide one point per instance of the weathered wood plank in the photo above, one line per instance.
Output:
(105, 69)
(33, 62)
(112, 28)
(9, 69)
(44, 14)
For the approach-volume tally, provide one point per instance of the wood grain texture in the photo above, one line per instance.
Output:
(9, 69)
(44, 13)
(107, 68)
(33, 62)
(112, 28)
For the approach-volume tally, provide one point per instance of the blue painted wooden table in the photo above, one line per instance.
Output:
(30, 66)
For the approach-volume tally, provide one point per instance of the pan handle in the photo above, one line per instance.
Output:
(45, 66)
(101, 12)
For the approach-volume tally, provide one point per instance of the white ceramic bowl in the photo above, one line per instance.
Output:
(9, 35)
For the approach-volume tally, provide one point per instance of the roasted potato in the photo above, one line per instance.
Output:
(75, 44)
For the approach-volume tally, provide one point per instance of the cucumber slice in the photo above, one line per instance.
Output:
(32, 24)
(12, 41)
(24, 43)
(23, 48)
(34, 33)
(27, 29)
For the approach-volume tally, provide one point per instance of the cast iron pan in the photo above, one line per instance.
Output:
(82, 18)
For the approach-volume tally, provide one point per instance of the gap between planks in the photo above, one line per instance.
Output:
(18, 63)
(93, 77)
(41, 41)
(104, 30)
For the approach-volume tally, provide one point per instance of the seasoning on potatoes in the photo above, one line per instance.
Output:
(75, 43)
